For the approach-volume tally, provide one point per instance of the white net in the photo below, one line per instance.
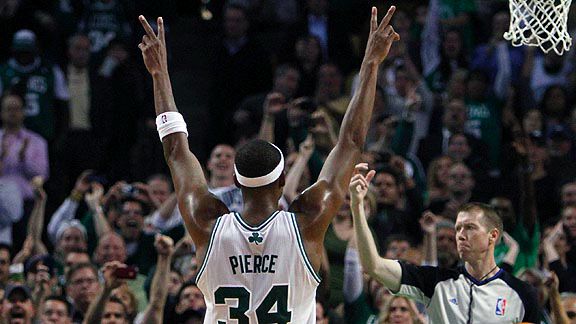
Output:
(541, 23)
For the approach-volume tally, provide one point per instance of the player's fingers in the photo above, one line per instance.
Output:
(160, 22)
(374, 20)
(146, 25)
(388, 17)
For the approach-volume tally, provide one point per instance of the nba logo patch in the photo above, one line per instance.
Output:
(500, 306)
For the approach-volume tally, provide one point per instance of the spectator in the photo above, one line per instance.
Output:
(255, 109)
(81, 287)
(568, 194)
(326, 26)
(104, 21)
(390, 217)
(438, 178)
(400, 310)
(221, 183)
(107, 307)
(242, 68)
(81, 147)
(410, 97)
(484, 115)
(544, 71)
(555, 247)
(70, 236)
(5, 258)
(190, 307)
(569, 303)
(308, 58)
(533, 121)
(453, 121)
(72, 258)
(115, 311)
(11, 208)
(56, 310)
(111, 247)
(139, 245)
(461, 185)
(321, 313)
(446, 244)
(24, 154)
(501, 61)
(18, 305)
(45, 90)
(554, 105)
(337, 236)
(330, 94)
(459, 150)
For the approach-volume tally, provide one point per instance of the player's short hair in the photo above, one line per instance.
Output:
(257, 158)
(490, 217)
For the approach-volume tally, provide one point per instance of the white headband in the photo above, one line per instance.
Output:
(265, 179)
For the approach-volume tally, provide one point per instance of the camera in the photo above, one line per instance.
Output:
(128, 190)
(307, 104)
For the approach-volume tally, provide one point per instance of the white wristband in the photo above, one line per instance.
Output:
(169, 123)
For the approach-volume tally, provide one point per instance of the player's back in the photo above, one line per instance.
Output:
(258, 274)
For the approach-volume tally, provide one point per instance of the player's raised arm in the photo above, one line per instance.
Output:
(388, 272)
(198, 207)
(320, 203)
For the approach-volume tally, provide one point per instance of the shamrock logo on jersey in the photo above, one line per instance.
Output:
(255, 238)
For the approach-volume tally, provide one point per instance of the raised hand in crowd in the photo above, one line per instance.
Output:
(294, 176)
(95, 312)
(557, 310)
(428, 223)
(513, 250)
(82, 185)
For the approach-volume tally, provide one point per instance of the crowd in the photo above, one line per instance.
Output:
(90, 231)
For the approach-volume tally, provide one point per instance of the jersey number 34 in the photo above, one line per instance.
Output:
(278, 296)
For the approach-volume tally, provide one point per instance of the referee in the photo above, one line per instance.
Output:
(478, 292)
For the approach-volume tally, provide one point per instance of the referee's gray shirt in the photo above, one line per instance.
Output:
(454, 296)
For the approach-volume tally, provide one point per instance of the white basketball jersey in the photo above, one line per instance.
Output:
(258, 275)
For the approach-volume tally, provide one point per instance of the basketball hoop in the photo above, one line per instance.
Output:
(541, 23)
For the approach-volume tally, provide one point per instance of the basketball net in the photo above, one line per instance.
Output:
(541, 23)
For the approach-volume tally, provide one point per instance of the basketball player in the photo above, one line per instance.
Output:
(261, 266)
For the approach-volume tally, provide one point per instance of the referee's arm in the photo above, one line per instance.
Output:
(387, 272)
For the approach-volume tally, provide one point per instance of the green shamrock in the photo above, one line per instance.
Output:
(255, 238)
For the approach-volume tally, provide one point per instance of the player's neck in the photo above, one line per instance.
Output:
(482, 268)
(258, 208)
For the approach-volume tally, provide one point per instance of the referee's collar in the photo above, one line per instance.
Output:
(483, 282)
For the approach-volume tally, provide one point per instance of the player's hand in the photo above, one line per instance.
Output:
(381, 37)
(359, 183)
(153, 47)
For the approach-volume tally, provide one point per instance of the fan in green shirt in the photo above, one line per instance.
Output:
(528, 239)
